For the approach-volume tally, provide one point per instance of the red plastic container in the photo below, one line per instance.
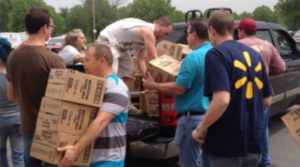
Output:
(167, 115)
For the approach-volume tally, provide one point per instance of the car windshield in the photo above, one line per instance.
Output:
(56, 42)
(297, 34)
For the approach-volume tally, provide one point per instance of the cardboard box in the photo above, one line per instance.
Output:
(151, 103)
(292, 122)
(135, 84)
(45, 143)
(177, 51)
(185, 50)
(74, 86)
(164, 68)
(64, 116)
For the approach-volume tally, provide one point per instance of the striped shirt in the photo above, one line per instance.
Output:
(110, 147)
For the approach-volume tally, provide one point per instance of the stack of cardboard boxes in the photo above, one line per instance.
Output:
(70, 104)
(163, 69)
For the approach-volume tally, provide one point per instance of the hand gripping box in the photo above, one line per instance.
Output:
(46, 142)
(77, 87)
(164, 68)
(62, 116)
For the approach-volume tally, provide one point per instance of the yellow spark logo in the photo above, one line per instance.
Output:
(242, 81)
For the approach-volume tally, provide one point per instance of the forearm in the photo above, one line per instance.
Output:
(91, 134)
(169, 88)
(79, 58)
(215, 110)
(10, 92)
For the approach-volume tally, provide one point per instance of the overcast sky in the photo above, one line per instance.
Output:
(236, 5)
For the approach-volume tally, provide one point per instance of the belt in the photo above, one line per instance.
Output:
(190, 113)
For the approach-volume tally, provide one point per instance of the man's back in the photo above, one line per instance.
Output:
(273, 61)
(125, 33)
(238, 69)
(28, 69)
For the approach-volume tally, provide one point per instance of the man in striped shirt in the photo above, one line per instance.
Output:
(108, 130)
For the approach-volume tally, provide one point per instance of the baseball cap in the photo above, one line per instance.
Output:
(247, 24)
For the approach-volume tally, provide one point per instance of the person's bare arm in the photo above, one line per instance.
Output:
(79, 58)
(71, 152)
(216, 109)
(267, 102)
(10, 92)
(277, 64)
(149, 41)
(141, 61)
(169, 88)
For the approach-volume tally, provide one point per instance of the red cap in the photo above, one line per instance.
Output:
(247, 24)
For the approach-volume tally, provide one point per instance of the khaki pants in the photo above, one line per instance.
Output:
(122, 61)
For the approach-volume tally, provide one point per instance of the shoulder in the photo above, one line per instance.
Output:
(70, 48)
(116, 84)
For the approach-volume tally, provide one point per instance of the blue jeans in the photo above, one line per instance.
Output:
(10, 129)
(266, 159)
(190, 151)
(251, 160)
(30, 161)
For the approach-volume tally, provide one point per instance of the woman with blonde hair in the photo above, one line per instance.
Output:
(74, 44)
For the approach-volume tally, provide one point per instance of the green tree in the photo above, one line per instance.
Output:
(264, 13)
(289, 12)
(64, 12)
(243, 15)
(16, 15)
(151, 10)
(57, 18)
(80, 16)
(5, 7)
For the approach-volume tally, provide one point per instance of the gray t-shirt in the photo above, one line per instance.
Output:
(7, 108)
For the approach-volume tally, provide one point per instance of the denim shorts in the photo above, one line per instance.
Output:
(190, 151)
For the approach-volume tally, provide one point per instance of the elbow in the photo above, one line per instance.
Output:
(267, 102)
(100, 124)
(223, 100)
(178, 90)
(224, 103)
(11, 98)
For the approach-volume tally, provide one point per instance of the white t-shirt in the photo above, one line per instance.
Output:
(68, 53)
(125, 33)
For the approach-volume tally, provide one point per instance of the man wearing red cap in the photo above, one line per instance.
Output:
(274, 66)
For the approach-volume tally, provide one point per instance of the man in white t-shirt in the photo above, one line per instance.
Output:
(133, 34)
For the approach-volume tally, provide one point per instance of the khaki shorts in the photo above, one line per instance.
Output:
(122, 60)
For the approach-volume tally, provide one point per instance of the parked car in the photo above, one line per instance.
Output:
(55, 44)
(286, 86)
(15, 38)
(297, 37)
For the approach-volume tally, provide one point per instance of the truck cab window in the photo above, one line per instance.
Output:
(284, 45)
(264, 35)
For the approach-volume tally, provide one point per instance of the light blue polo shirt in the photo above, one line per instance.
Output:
(191, 77)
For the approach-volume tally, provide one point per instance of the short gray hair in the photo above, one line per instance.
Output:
(102, 50)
